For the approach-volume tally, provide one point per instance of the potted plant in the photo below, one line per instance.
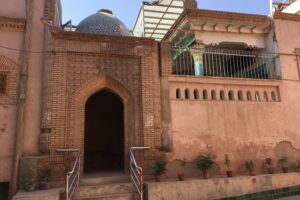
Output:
(44, 183)
(229, 172)
(28, 181)
(283, 161)
(159, 168)
(205, 163)
(181, 175)
(296, 166)
(268, 163)
(250, 166)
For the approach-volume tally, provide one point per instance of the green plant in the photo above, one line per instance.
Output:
(47, 175)
(268, 162)
(250, 165)
(160, 166)
(205, 162)
(283, 161)
(296, 166)
(182, 164)
(227, 161)
(28, 181)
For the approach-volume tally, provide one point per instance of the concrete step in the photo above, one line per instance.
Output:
(121, 196)
(105, 189)
(91, 181)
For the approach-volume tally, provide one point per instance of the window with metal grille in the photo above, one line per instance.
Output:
(2, 83)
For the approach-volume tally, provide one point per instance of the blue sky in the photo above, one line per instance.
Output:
(127, 10)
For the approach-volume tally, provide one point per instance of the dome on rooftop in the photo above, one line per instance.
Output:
(103, 22)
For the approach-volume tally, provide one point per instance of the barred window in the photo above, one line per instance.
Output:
(2, 83)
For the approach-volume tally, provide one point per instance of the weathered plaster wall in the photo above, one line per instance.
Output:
(240, 128)
(12, 8)
(32, 114)
(9, 64)
(8, 115)
(13, 40)
(287, 35)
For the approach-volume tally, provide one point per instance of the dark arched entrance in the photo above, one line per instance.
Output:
(104, 133)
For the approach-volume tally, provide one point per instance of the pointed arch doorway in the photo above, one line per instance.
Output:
(104, 145)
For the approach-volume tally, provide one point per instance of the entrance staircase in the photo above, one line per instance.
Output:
(93, 187)
(106, 188)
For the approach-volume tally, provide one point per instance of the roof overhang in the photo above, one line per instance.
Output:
(158, 17)
(193, 20)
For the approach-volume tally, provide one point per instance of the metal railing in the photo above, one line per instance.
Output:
(224, 63)
(136, 172)
(72, 179)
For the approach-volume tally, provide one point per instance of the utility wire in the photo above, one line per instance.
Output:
(54, 52)
(46, 52)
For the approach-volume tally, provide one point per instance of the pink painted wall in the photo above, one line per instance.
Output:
(8, 113)
(7, 134)
(12, 40)
(32, 117)
(12, 8)
(287, 34)
(242, 129)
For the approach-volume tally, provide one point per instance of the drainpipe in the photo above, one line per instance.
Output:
(21, 99)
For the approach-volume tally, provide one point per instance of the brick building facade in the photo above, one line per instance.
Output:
(217, 83)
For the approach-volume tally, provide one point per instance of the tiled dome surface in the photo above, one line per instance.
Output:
(103, 22)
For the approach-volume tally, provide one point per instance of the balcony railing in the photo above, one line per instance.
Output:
(215, 62)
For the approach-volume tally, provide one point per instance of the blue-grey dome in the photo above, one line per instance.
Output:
(103, 22)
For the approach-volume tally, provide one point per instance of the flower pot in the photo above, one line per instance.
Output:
(29, 188)
(285, 170)
(158, 178)
(252, 173)
(270, 170)
(181, 177)
(229, 173)
(205, 174)
(44, 185)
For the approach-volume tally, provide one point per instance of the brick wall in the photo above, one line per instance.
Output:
(82, 64)
(11, 71)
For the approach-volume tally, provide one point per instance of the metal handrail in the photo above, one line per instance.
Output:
(136, 172)
(72, 179)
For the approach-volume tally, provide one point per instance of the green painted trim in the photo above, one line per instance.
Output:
(184, 44)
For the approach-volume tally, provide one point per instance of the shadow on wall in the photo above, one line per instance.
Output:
(285, 148)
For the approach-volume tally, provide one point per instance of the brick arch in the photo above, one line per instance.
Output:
(77, 114)
(11, 69)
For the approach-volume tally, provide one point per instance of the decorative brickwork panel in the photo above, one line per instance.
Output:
(2, 83)
(81, 66)
(9, 76)
(166, 58)
(11, 24)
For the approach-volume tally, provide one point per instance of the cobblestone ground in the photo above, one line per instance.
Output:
(291, 198)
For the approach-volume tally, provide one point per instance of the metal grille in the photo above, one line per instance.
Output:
(224, 63)
(2, 83)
